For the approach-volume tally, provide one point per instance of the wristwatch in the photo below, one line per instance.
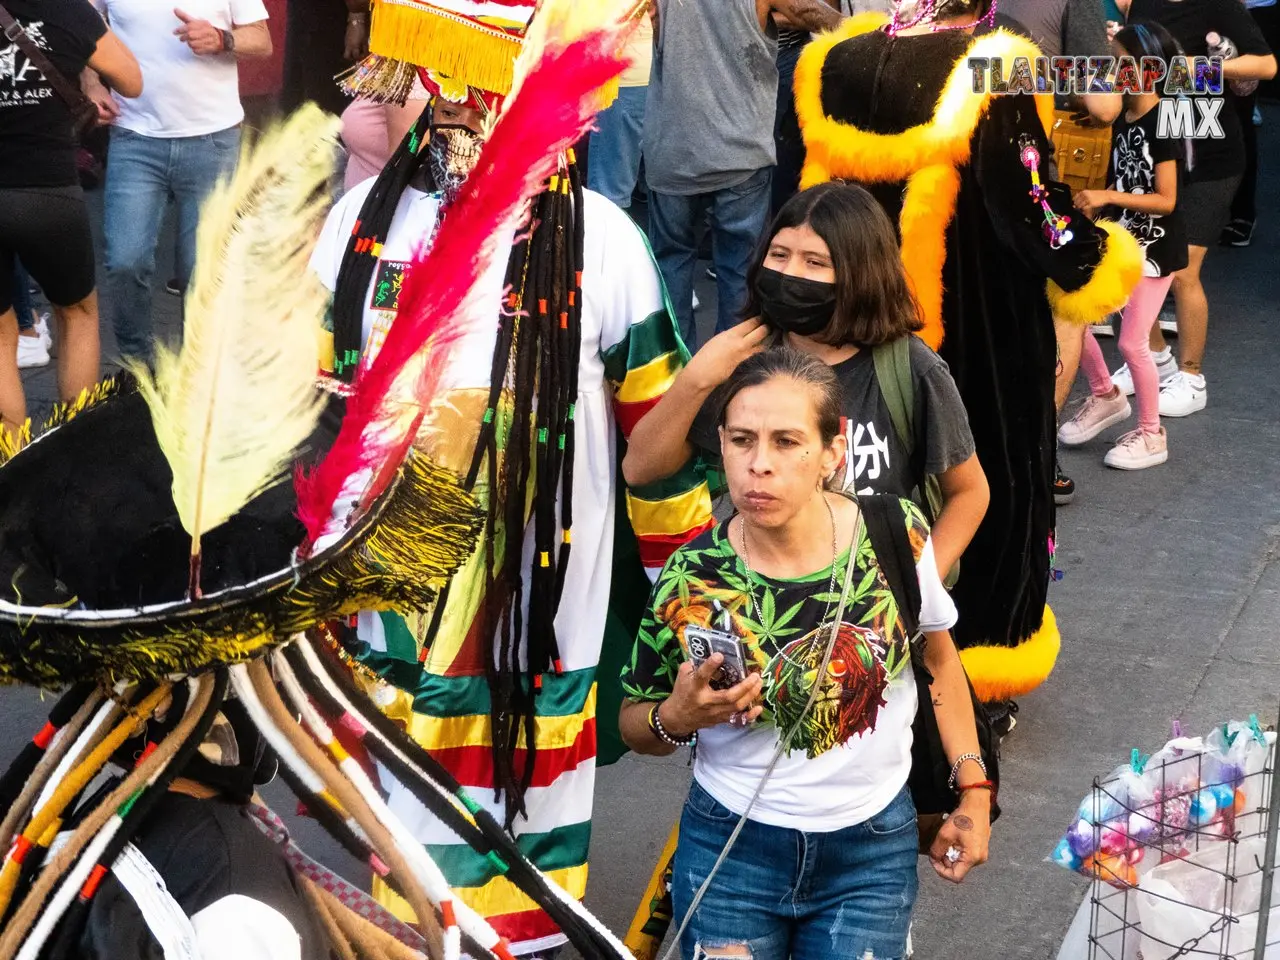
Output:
(228, 41)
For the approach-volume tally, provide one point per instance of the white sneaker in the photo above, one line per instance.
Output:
(1169, 322)
(1094, 416)
(1183, 395)
(42, 328)
(32, 353)
(1166, 368)
(1137, 450)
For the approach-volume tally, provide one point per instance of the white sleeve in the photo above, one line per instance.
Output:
(622, 280)
(245, 12)
(937, 609)
(326, 258)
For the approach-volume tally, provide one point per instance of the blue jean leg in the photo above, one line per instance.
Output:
(198, 162)
(788, 895)
(744, 904)
(738, 219)
(673, 232)
(857, 897)
(135, 197)
(616, 147)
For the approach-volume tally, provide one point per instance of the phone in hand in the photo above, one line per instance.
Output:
(704, 641)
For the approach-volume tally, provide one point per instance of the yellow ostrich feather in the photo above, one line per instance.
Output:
(231, 406)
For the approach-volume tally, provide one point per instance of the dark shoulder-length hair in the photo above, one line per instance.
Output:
(874, 303)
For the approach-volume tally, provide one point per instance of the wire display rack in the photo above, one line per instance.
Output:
(1181, 883)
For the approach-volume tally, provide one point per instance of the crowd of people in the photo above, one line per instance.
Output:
(824, 532)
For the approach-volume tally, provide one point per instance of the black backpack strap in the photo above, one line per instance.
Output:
(887, 531)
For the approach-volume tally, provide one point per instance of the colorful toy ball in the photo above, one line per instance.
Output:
(1141, 828)
(1241, 802)
(1082, 839)
(1204, 807)
(1099, 807)
(1064, 857)
(1114, 841)
(1224, 795)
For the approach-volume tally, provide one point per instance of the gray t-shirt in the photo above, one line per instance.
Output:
(712, 97)
(1071, 28)
(877, 460)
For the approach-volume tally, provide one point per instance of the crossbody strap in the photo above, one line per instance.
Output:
(70, 93)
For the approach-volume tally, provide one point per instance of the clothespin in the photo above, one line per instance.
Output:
(1137, 761)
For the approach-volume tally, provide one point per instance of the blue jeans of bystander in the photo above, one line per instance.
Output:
(787, 895)
(738, 218)
(142, 174)
(616, 147)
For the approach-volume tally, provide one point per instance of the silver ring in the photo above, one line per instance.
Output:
(953, 855)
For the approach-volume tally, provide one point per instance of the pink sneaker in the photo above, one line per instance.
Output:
(1094, 416)
(1138, 450)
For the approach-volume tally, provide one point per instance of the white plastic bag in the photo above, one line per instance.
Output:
(1183, 905)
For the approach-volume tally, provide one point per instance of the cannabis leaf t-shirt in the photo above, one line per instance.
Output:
(852, 755)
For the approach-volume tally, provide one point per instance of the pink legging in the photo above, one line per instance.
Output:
(1140, 315)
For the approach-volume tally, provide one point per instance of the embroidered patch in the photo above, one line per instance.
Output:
(387, 284)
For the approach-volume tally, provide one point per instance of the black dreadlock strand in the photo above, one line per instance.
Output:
(140, 807)
(533, 389)
(370, 232)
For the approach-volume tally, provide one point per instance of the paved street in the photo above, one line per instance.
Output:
(1169, 609)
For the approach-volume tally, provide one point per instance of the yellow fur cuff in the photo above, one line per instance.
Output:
(1108, 289)
(999, 673)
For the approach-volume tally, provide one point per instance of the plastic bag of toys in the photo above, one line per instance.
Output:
(1104, 839)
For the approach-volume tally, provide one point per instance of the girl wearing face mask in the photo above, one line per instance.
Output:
(829, 282)
(832, 815)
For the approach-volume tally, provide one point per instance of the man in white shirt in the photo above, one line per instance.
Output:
(175, 140)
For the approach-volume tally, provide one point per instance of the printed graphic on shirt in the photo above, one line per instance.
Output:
(21, 82)
(784, 626)
(1136, 173)
(867, 457)
(388, 282)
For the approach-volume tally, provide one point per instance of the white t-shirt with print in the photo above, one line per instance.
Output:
(183, 95)
(827, 792)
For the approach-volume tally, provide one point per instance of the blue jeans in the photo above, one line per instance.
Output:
(142, 174)
(616, 147)
(738, 218)
(788, 895)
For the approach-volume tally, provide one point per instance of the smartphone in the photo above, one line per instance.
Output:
(704, 641)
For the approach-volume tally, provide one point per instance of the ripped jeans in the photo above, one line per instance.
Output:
(787, 894)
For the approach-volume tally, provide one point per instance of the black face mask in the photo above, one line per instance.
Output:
(794, 304)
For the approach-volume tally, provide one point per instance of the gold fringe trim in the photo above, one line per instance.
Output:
(472, 53)
(1000, 673)
(1110, 284)
(838, 150)
(427, 528)
(379, 79)
(62, 413)
(927, 209)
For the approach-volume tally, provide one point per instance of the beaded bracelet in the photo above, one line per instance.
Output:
(659, 731)
(955, 768)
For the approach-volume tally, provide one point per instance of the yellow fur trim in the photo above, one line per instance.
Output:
(999, 673)
(927, 209)
(837, 150)
(1110, 284)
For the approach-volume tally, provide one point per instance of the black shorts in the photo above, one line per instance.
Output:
(48, 228)
(1205, 207)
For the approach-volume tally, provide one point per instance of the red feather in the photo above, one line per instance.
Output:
(439, 302)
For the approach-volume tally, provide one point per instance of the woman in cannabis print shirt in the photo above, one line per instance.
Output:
(826, 863)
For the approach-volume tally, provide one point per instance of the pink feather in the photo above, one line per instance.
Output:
(439, 302)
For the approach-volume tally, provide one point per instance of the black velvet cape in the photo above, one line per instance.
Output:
(859, 96)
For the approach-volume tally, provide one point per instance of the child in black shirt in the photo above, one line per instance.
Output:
(1145, 173)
